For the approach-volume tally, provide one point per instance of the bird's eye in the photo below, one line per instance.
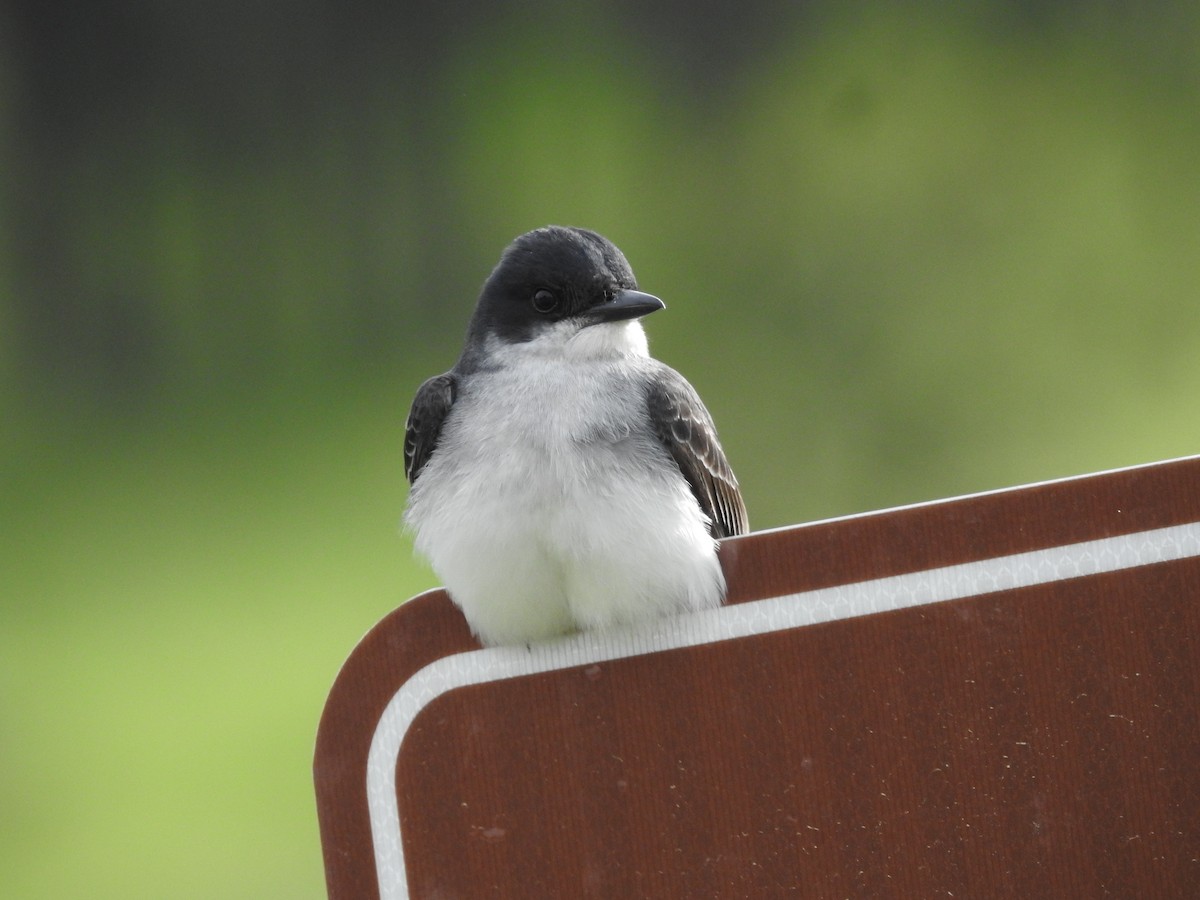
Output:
(545, 301)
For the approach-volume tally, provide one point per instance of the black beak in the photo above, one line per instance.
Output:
(626, 305)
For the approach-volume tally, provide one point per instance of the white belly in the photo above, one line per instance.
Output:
(553, 512)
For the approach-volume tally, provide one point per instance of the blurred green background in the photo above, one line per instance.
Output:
(908, 253)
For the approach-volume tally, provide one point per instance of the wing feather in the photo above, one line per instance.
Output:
(424, 426)
(686, 429)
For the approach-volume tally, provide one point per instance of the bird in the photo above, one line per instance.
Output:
(561, 478)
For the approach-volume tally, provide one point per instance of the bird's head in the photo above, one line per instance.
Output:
(560, 286)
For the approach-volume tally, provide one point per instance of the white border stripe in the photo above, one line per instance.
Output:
(725, 623)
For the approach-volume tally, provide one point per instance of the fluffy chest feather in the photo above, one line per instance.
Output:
(549, 502)
(553, 414)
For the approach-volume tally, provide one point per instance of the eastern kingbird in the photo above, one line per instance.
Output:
(561, 478)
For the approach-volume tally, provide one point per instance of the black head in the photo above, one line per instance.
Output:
(557, 274)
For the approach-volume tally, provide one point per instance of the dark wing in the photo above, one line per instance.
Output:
(434, 399)
(687, 431)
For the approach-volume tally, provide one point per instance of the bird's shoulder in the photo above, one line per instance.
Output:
(685, 427)
(678, 413)
(432, 402)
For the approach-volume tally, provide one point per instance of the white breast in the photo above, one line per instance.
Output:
(548, 505)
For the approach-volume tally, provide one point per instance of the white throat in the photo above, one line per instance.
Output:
(566, 340)
(609, 340)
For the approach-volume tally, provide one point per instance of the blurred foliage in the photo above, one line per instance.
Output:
(907, 254)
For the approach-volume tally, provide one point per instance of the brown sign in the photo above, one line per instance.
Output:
(994, 694)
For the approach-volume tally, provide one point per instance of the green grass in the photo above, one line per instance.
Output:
(180, 591)
(903, 260)
(178, 601)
